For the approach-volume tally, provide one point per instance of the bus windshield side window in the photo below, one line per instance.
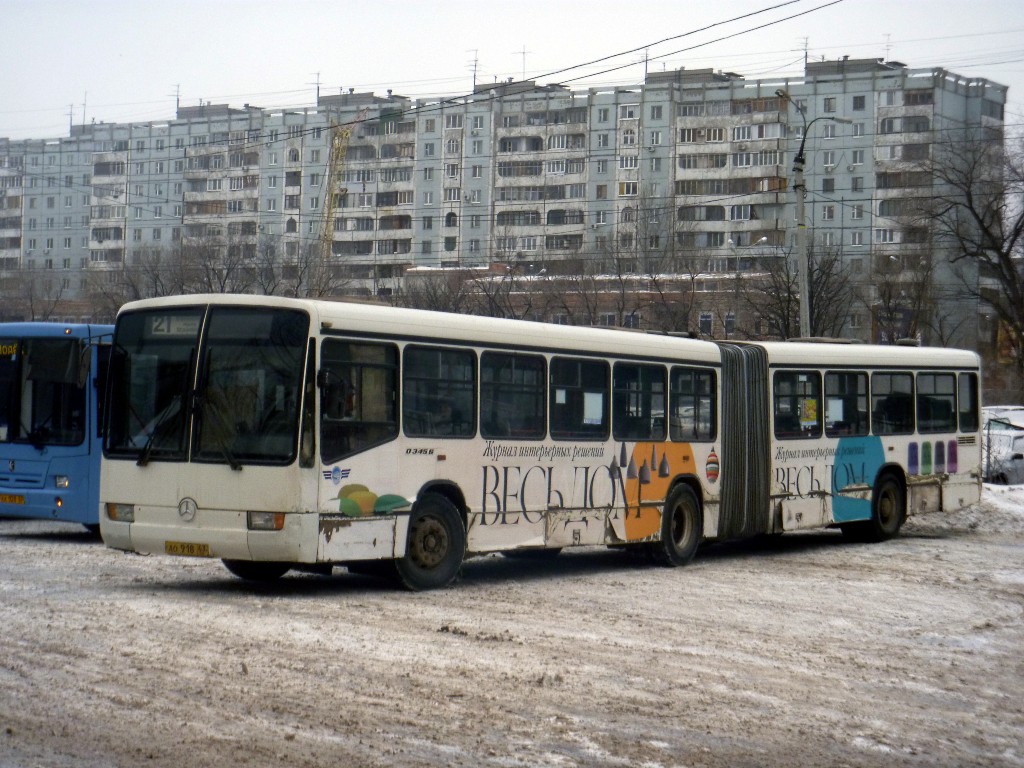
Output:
(846, 403)
(638, 402)
(892, 403)
(967, 402)
(438, 392)
(936, 402)
(358, 397)
(512, 396)
(579, 399)
(797, 404)
(693, 404)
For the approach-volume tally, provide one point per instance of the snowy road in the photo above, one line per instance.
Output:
(803, 650)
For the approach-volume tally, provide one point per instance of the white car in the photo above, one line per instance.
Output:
(1003, 456)
(998, 414)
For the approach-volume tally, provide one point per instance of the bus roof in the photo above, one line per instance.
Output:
(440, 327)
(820, 354)
(42, 329)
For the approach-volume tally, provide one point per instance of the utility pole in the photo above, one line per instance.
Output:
(803, 263)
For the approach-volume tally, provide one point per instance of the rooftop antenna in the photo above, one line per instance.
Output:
(523, 54)
(317, 84)
(474, 65)
(888, 39)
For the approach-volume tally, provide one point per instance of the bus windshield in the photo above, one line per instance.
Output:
(247, 370)
(42, 391)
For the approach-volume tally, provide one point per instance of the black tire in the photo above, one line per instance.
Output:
(680, 528)
(436, 546)
(254, 570)
(888, 511)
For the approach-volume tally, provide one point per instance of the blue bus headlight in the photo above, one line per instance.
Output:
(121, 513)
(61, 481)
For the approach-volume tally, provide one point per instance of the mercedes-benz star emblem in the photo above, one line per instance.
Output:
(187, 509)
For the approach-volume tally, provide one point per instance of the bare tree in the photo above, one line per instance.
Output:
(977, 209)
(37, 294)
(442, 290)
(775, 294)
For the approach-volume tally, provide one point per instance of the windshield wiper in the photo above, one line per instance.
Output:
(161, 421)
(221, 442)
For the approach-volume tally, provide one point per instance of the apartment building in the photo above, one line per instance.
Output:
(687, 173)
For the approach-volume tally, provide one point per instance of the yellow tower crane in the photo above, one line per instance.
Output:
(340, 136)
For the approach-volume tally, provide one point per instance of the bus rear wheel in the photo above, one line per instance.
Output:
(680, 528)
(436, 547)
(253, 570)
(888, 511)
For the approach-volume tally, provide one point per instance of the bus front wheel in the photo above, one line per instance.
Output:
(436, 547)
(680, 527)
(253, 570)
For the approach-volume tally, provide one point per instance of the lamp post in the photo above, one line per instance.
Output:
(803, 264)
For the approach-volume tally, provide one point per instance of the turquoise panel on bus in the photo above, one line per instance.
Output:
(857, 462)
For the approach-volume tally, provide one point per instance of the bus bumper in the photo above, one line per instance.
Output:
(212, 533)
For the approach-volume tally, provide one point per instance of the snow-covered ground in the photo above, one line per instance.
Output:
(800, 650)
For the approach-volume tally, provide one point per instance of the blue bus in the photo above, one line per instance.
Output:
(52, 379)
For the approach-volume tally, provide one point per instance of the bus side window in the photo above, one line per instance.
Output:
(358, 397)
(579, 399)
(797, 404)
(967, 402)
(846, 403)
(693, 402)
(892, 403)
(936, 402)
(438, 392)
(512, 395)
(638, 402)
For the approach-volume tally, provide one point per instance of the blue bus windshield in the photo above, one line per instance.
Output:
(52, 379)
(42, 386)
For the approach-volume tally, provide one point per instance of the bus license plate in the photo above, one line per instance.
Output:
(10, 498)
(186, 549)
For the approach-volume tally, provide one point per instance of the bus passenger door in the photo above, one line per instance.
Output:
(799, 464)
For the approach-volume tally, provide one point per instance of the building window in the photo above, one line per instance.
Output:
(856, 237)
(828, 212)
(829, 104)
(705, 322)
(828, 185)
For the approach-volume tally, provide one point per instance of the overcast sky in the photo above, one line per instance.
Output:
(128, 60)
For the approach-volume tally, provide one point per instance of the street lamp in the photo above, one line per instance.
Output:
(800, 188)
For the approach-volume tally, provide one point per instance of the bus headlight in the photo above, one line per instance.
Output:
(121, 513)
(266, 521)
(61, 481)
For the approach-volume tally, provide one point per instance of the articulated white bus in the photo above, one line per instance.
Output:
(277, 433)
